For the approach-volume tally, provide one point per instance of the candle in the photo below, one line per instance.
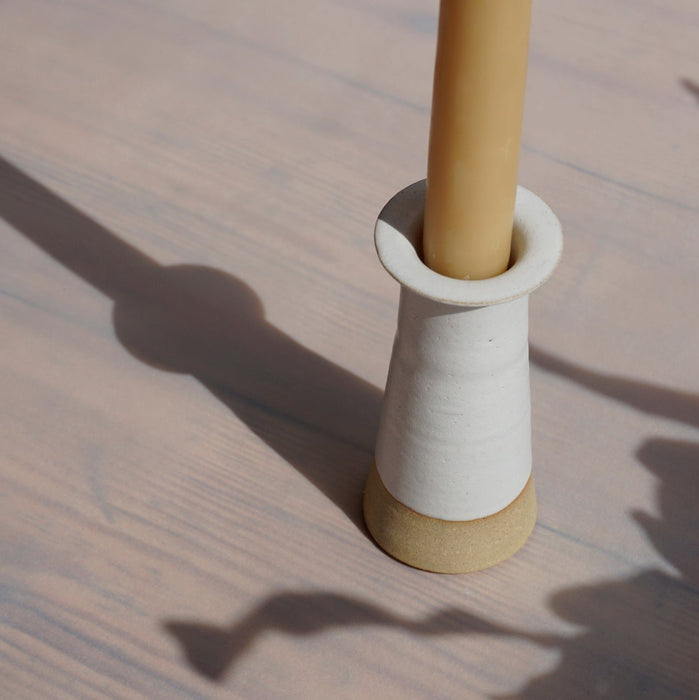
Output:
(477, 106)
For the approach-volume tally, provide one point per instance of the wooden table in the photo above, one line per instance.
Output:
(195, 334)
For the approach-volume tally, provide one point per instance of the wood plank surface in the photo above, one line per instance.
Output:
(195, 333)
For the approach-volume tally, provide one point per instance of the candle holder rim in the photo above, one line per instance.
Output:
(537, 245)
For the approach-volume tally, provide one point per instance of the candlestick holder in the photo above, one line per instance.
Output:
(451, 489)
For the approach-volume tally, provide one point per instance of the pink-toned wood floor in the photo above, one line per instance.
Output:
(195, 332)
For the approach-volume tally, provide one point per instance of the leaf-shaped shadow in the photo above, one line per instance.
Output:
(213, 651)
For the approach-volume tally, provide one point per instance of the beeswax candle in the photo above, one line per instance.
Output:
(477, 107)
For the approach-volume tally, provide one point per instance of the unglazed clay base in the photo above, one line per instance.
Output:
(447, 546)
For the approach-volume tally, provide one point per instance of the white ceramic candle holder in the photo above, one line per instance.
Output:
(451, 488)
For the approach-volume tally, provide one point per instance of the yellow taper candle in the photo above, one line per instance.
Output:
(477, 106)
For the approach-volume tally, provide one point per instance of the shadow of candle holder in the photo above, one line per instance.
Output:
(204, 322)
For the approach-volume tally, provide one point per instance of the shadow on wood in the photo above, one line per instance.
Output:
(638, 634)
(204, 322)
(637, 638)
(652, 399)
(213, 651)
(690, 86)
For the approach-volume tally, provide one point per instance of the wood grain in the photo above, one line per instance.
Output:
(195, 334)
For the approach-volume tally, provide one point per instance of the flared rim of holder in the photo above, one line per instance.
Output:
(431, 543)
(537, 244)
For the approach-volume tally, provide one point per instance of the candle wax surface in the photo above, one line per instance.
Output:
(477, 107)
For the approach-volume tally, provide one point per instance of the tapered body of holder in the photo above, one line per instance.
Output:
(451, 488)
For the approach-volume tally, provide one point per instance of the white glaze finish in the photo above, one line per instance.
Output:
(455, 434)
